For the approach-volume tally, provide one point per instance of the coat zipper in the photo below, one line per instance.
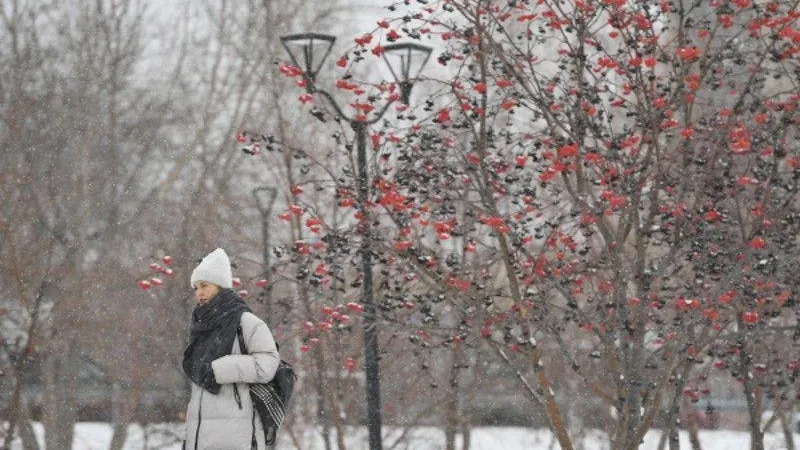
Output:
(199, 419)
(253, 441)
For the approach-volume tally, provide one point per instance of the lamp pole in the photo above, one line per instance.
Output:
(309, 44)
(371, 358)
(265, 200)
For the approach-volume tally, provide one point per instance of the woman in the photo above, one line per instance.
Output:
(220, 415)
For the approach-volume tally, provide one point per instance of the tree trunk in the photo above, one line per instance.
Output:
(753, 403)
(466, 436)
(58, 416)
(674, 439)
(120, 433)
(337, 421)
(449, 436)
(633, 401)
(670, 433)
(24, 428)
(328, 405)
(124, 409)
(692, 427)
(15, 409)
(452, 412)
(556, 423)
(20, 408)
(120, 415)
(786, 427)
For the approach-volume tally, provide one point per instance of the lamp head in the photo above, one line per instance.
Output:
(308, 51)
(406, 61)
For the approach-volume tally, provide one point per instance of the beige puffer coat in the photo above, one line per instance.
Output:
(220, 422)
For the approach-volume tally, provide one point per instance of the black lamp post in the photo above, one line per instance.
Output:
(265, 200)
(312, 49)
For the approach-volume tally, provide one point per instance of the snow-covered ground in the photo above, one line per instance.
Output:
(97, 436)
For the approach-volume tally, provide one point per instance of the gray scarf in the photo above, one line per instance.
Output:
(212, 333)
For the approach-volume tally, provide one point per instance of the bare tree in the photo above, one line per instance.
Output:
(87, 143)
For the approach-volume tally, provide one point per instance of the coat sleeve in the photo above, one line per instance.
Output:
(261, 362)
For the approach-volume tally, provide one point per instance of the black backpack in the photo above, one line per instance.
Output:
(271, 400)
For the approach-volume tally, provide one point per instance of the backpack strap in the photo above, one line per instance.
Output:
(240, 338)
(243, 350)
(242, 347)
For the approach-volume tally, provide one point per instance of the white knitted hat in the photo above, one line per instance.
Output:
(214, 268)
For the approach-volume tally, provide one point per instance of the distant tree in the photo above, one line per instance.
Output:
(115, 151)
(81, 136)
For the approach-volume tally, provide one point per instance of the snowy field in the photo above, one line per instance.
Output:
(97, 436)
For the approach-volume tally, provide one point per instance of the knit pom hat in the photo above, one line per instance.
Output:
(214, 268)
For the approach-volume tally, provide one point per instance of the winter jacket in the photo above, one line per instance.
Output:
(227, 421)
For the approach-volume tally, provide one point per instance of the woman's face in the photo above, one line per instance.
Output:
(205, 291)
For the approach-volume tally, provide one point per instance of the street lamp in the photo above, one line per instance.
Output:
(308, 51)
